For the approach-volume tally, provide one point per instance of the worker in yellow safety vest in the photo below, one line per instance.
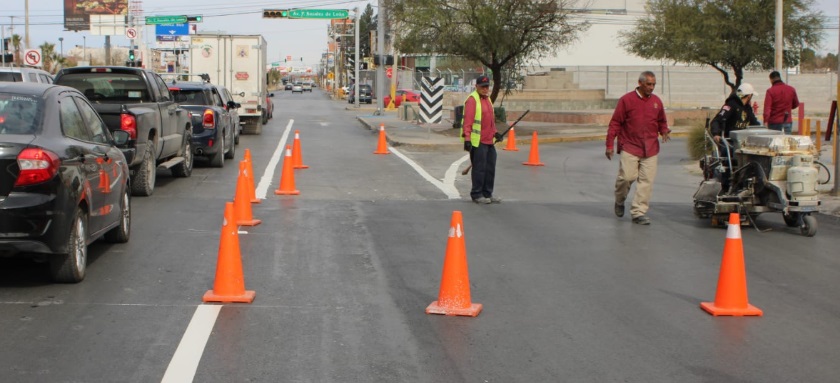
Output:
(478, 132)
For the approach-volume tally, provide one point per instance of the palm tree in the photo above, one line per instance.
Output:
(16, 40)
(47, 55)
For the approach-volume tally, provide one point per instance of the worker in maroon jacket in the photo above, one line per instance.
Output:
(778, 102)
(638, 122)
(479, 135)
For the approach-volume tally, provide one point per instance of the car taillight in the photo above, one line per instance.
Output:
(129, 123)
(209, 119)
(36, 166)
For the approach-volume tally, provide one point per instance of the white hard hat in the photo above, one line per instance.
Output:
(745, 90)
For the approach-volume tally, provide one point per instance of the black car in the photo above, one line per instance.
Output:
(213, 135)
(288, 86)
(65, 182)
(365, 94)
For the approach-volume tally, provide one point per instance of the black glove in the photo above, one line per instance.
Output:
(467, 146)
(498, 137)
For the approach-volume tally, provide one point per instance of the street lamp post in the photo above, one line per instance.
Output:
(84, 47)
(61, 41)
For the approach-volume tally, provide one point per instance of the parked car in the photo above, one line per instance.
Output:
(65, 182)
(297, 88)
(233, 110)
(138, 101)
(268, 112)
(8, 74)
(365, 94)
(409, 95)
(212, 132)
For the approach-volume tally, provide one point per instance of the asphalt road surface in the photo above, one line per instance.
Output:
(344, 271)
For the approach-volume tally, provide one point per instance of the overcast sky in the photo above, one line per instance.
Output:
(308, 38)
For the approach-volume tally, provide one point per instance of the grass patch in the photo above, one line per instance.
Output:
(696, 142)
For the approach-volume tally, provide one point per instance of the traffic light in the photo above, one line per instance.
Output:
(195, 19)
(363, 66)
(389, 60)
(275, 13)
(131, 55)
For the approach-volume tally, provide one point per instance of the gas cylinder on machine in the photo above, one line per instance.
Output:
(802, 178)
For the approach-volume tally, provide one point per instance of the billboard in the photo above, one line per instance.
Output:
(77, 12)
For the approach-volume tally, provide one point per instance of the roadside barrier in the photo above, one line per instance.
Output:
(454, 295)
(731, 296)
(249, 175)
(382, 148)
(534, 157)
(511, 141)
(242, 199)
(229, 285)
(287, 178)
(297, 153)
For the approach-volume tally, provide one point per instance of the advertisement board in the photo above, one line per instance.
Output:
(77, 12)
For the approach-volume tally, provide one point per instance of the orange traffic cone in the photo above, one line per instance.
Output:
(242, 200)
(511, 142)
(731, 296)
(454, 295)
(287, 179)
(250, 176)
(382, 148)
(230, 283)
(534, 157)
(297, 154)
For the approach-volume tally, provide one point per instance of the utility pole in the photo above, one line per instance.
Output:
(780, 43)
(356, 61)
(380, 50)
(836, 191)
(27, 25)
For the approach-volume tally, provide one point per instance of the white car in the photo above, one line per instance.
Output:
(297, 88)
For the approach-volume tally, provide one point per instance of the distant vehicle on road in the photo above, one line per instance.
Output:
(8, 74)
(307, 87)
(288, 86)
(227, 98)
(297, 88)
(212, 130)
(65, 182)
(365, 94)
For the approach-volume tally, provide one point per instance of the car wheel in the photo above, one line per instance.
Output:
(122, 232)
(232, 152)
(144, 181)
(184, 169)
(264, 117)
(71, 266)
(218, 159)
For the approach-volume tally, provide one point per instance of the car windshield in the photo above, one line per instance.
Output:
(189, 96)
(108, 87)
(19, 114)
(11, 77)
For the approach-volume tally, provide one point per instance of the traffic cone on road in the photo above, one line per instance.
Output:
(287, 178)
(454, 295)
(229, 285)
(382, 148)
(242, 200)
(511, 142)
(250, 176)
(731, 296)
(534, 157)
(297, 154)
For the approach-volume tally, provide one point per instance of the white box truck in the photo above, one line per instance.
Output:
(237, 62)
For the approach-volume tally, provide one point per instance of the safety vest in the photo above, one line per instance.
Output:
(475, 134)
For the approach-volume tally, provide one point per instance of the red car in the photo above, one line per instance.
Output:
(408, 95)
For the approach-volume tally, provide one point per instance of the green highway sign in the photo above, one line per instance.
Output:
(150, 20)
(318, 13)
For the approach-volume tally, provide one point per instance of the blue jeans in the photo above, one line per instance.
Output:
(787, 126)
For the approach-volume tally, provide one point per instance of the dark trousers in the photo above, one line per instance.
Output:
(483, 170)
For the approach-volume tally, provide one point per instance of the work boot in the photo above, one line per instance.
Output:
(482, 200)
(619, 210)
(642, 220)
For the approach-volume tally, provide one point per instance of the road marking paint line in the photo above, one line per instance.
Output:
(447, 188)
(265, 181)
(452, 172)
(184, 363)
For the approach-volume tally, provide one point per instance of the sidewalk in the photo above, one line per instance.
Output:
(420, 136)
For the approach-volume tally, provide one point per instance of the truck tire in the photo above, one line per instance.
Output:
(184, 169)
(71, 266)
(122, 232)
(144, 178)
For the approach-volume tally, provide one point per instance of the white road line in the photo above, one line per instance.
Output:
(184, 363)
(265, 181)
(447, 186)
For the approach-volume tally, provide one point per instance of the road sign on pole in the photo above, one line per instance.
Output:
(172, 29)
(150, 20)
(318, 14)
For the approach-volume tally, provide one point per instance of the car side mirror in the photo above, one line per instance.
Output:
(232, 104)
(238, 105)
(121, 137)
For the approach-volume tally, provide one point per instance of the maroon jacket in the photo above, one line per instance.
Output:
(488, 119)
(778, 100)
(637, 122)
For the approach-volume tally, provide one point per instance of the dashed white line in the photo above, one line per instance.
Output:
(184, 363)
(265, 181)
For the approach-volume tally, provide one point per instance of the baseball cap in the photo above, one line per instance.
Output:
(482, 80)
(745, 90)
